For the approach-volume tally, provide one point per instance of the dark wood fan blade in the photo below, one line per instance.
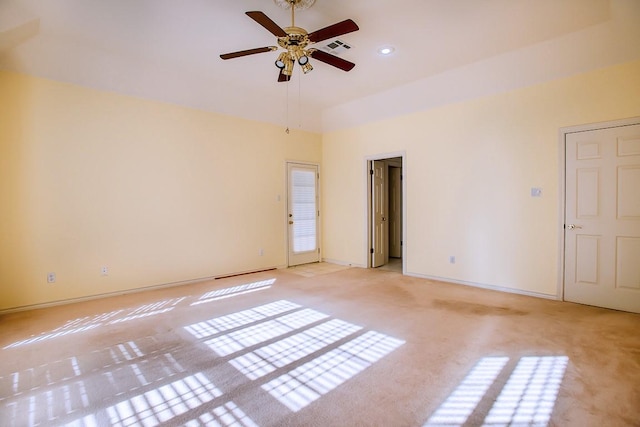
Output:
(283, 77)
(327, 58)
(248, 52)
(335, 30)
(267, 23)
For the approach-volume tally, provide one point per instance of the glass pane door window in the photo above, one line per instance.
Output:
(303, 213)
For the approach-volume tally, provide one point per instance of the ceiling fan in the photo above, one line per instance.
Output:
(295, 41)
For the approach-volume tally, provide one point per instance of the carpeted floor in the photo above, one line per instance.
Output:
(353, 347)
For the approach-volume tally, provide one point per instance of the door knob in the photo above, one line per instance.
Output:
(573, 226)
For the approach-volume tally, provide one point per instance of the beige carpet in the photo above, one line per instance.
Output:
(316, 269)
(349, 348)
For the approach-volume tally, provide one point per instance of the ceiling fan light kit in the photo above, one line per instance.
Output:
(295, 41)
(280, 62)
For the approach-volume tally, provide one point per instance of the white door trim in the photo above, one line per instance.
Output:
(367, 207)
(562, 190)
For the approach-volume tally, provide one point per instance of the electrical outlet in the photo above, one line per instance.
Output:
(51, 277)
(452, 259)
(104, 271)
(536, 192)
(261, 252)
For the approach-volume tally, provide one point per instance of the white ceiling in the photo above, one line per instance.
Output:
(169, 50)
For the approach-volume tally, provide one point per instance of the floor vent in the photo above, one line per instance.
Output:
(244, 273)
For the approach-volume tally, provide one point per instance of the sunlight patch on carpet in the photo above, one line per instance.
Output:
(338, 350)
(235, 291)
(530, 394)
(308, 382)
(241, 318)
(460, 404)
(233, 342)
(527, 398)
(147, 310)
(267, 359)
(87, 323)
(164, 403)
(228, 415)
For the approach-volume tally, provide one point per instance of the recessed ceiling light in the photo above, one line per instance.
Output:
(386, 50)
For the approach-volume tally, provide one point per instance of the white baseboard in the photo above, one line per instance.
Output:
(485, 286)
(460, 282)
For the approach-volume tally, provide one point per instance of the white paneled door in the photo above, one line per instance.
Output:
(602, 218)
(302, 213)
(380, 204)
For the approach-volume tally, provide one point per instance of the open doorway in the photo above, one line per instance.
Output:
(386, 213)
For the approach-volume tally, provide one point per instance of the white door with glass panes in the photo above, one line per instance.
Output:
(602, 222)
(302, 213)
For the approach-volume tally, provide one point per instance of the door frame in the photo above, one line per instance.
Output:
(287, 229)
(367, 209)
(562, 193)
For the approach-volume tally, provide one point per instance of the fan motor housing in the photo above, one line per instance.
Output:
(296, 36)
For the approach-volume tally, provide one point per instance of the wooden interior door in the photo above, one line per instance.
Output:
(380, 241)
(602, 218)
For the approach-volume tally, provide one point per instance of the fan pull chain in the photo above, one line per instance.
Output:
(287, 103)
(299, 100)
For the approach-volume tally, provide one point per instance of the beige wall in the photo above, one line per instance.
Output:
(469, 171)
(160, 193)
(155, 192)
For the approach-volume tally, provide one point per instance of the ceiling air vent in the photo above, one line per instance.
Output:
(336, 47)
